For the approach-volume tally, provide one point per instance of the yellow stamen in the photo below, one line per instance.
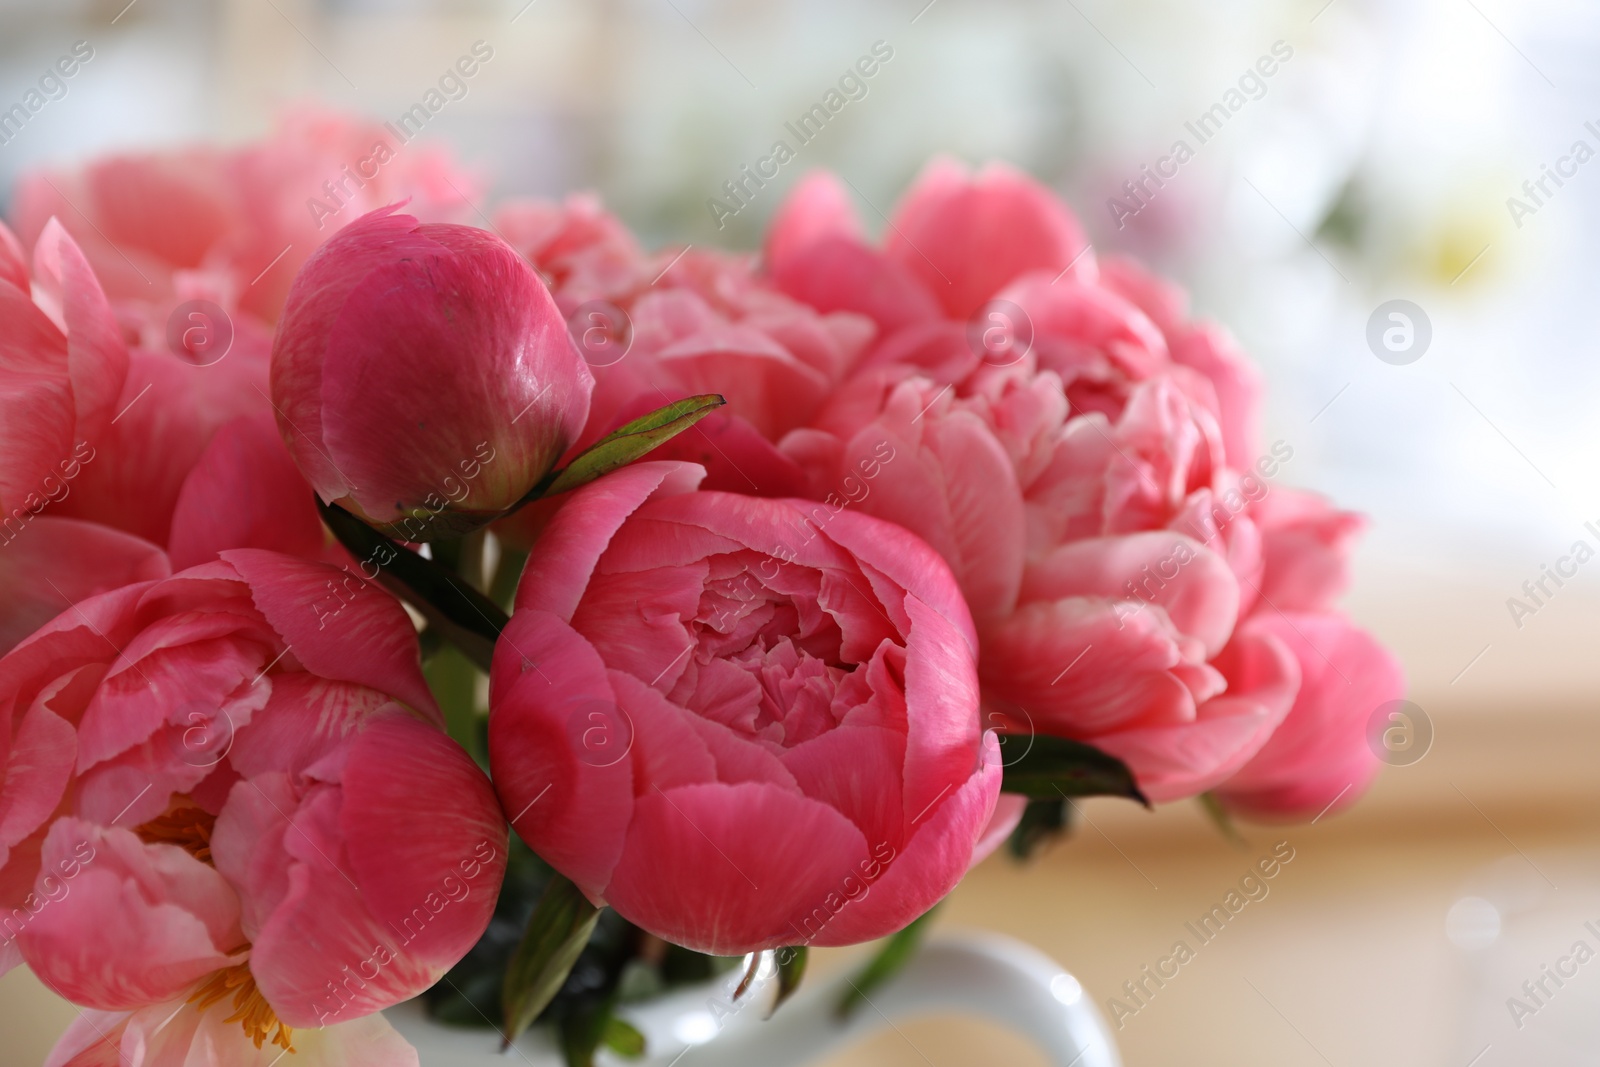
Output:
(250, 1008)
(188, 828)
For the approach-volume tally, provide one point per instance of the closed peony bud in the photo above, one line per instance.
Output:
(423, 377)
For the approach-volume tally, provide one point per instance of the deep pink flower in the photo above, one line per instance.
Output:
(252, 799)
(422, 376)
(741, 722)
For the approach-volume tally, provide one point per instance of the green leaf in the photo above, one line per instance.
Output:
(470, 620)
(630, 441)
(622, 1038)
(556, 933)
(1054, 767)
(1042, 822)
(889, 961)
(791, 968)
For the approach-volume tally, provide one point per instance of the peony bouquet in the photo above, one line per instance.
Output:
(529, 622)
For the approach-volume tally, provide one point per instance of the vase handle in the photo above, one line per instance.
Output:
(999, 978)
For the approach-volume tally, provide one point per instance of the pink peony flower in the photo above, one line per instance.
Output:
(111, 437)
(252, 801)
(62, 365)
(238, 222)
(741, 722)
(657, 327)
(1092, 480)
(422, 376)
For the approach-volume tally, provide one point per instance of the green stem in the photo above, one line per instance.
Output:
(507, 573)
(454, 681)
(889, 961)
(465, 616)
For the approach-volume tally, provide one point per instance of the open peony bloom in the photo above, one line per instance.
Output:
(741, 722)
(245, 823)
(655, 327)
(423, 378)
(100, 441)
(62, 365)
(1094, 482)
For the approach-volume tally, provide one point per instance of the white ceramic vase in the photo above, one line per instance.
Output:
(992, 977)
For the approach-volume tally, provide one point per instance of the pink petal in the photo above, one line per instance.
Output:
(247, 846)
(304, 717)
(571, 806)
(938, 851)
(737, 459)
(818, 206)
(942, 728)
(1008, 811)
(361, 634)
(164, 415)
(763, 381)
(38, 767)
(57, 562)
(967, 236)
(905, 560)
(842, 274)
(857, 771)
(245, 492)
(1199, 594)
(13, 262)
(560, 564)
(1305, 546)
(421, 820)
(666, 748)
(175, 1033)
(96, 355)
(1176, 761)
(1089, 317)
(1081, 666)
(1322, 748)
(321, 956)
(639, 621)
(134, 924)
(703, 869)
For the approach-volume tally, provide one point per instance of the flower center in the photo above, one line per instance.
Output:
(187, 827)
(190, 829)
(250, 1008)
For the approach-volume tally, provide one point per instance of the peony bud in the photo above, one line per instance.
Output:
(423, 376)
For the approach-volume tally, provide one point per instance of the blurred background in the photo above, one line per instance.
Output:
(1379, 162)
